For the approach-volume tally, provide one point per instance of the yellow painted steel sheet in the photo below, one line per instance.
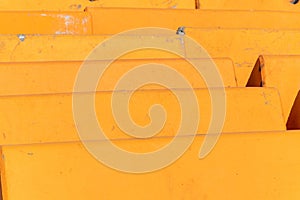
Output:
(47, 41)
(80, 5)
(281, 72)
(26, 78)
(49, 118)
(45, 23)
(242, 46)
(283, 5)
(218, 19)
(92, 21)
(241, 166)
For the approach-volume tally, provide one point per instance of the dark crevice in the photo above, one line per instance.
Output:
(255, 79)
(1, 197)
(293, 122)
(197, 4)
(294, 1)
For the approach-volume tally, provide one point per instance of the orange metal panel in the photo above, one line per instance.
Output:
(242, 46)
(241, 166)
(41, 156)
(49, 118)
(138, 18)
(283, 5)
(218, 43)
(45, 23)
(281, 72)
(173, 4)
(59, 77)
(80, 5)
(80, 22)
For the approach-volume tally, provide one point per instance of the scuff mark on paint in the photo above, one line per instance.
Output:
(174, 6)
(69, 22)
(84, 21)
(72, 24)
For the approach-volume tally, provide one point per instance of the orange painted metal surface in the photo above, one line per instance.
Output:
(27, 78)
(91, 21)
(278, 5)
(200, 19)
(242, 166)
(280, 72)
(44, 43)
(243, 52)
(49, 118)
(80, 5)
(45, 23)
